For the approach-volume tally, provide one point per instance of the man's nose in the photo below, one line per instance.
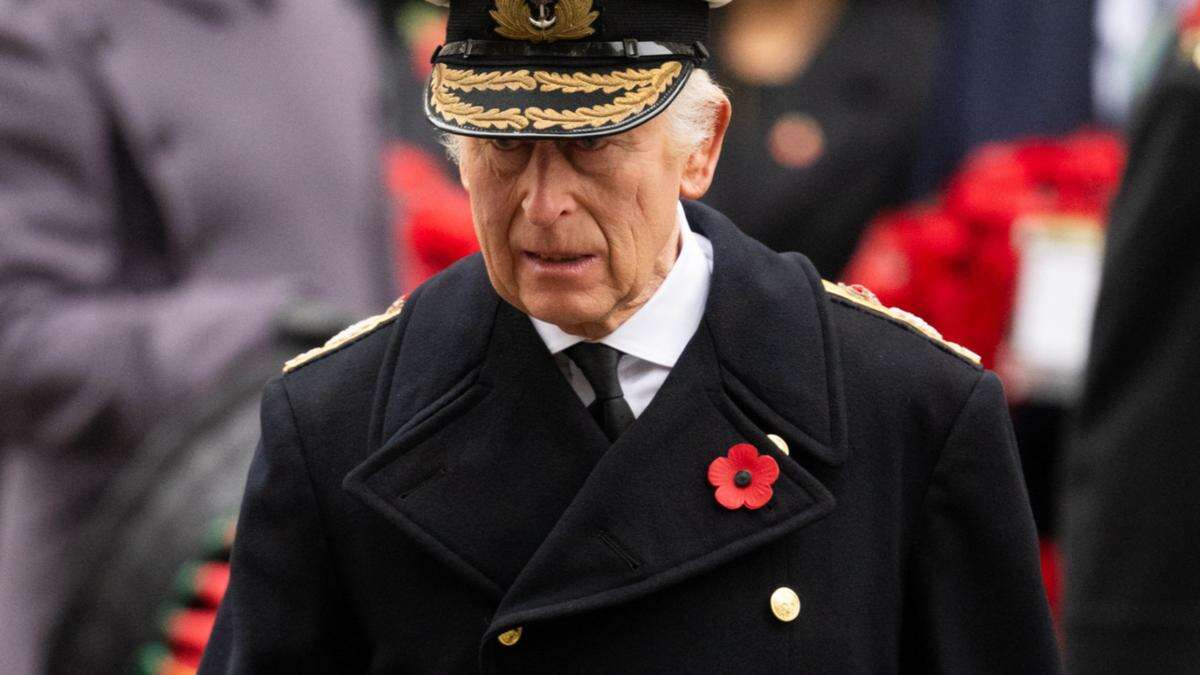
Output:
(547, 185)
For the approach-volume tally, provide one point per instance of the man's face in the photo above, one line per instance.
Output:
(577, 232)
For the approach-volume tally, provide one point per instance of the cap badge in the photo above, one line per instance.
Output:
(554, 20)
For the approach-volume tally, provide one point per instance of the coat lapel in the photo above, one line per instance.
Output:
(645, 518)
(480, 474)
(499, 471)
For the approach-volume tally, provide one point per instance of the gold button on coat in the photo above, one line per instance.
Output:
(785, 604)
(780, 443)
(510, 637)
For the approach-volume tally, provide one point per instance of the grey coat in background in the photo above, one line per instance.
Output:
(174, 175)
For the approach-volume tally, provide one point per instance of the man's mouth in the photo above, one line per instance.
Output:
(558, 258)
(559, 263)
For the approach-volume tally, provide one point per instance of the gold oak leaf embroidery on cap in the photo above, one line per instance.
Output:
(651, 85)
(642, 86)
(453, 108)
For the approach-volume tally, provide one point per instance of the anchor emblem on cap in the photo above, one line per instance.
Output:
(544, 20)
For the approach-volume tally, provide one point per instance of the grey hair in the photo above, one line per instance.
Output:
(690, 117)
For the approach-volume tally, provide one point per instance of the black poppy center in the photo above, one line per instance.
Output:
(742, 478)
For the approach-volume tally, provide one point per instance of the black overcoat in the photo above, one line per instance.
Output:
(436, 483)
(1131, 494)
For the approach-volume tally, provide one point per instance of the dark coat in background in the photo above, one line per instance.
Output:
(174, 175)
(1005, 70)
(1131, 509)
(867, 91)
(437, 483)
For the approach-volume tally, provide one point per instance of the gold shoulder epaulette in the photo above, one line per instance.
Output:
(865, 298)
(348, 335)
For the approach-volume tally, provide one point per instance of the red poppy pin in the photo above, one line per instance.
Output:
(744, 478)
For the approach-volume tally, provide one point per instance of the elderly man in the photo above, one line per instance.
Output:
(626, 438)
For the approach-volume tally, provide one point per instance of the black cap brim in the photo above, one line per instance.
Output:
(551, 102)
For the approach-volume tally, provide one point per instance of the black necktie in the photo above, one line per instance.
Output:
(599, 365)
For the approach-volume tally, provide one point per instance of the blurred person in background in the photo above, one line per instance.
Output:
(1131, 494)
(1006, 69)
(176, 177)
(1132, 37)
(830, 96)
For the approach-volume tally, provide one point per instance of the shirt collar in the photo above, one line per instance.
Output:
(659, 331)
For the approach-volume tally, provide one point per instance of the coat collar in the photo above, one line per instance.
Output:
(774, 340)
(492, 464)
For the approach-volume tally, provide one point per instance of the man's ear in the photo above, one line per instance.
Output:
(702, 164)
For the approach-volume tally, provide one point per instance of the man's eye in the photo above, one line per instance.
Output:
(589, 143)
(506, 144)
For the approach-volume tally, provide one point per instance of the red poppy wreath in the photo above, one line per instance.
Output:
(744, 478)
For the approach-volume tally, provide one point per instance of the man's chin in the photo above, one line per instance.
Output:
(569, 316)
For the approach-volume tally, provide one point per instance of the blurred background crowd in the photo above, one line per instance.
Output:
(193, 190)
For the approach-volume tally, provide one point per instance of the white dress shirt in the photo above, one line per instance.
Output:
(654, 337)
